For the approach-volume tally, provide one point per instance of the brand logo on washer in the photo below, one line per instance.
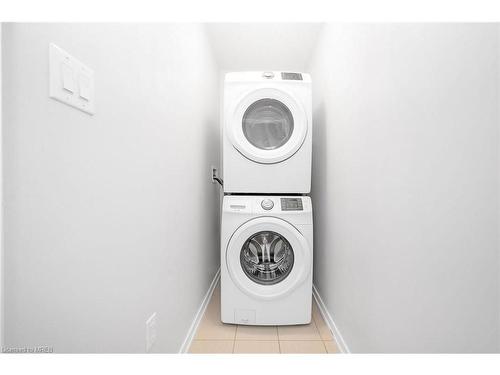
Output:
(238, 207)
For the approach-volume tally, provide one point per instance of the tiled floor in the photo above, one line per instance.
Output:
(216, 337)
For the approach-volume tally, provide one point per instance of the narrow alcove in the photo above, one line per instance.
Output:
(109, 218)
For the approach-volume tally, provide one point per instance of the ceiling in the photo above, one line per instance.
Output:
(263, 46)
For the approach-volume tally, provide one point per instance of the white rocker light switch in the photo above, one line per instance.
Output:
(71, 82)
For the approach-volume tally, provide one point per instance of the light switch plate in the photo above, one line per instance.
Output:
(71, 81)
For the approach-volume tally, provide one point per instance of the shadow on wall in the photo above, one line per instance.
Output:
(211, 148)
(319, 188)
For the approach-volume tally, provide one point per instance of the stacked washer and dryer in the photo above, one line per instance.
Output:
(267, 225)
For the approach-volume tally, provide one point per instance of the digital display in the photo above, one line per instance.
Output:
(291, 76)
(291, 204)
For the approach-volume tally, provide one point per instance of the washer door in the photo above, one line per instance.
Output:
(268, 258)
(267, 126)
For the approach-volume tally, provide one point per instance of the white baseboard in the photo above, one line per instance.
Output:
(199, 315)
(341, 344)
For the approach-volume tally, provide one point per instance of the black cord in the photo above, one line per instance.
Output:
(221, 183)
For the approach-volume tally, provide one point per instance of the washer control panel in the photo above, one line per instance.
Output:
(267, 204)
(291, 204)
(270, 205)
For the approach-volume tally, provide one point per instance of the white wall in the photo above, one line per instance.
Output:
(263, 46)
(109, 218)
(405, 185)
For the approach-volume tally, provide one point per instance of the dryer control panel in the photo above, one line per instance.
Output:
(291, 76)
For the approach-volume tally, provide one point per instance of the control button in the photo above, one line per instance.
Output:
(268, 75)
(267, 204)
(67, 77)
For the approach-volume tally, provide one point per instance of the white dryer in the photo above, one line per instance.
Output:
(266, 260)
(267, 133)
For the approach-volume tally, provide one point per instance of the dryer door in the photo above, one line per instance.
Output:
(267, 126)
(268, 258)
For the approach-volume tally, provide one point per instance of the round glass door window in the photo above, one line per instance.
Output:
(267, 124)
(267, 258)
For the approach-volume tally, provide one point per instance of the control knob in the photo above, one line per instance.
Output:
(267, 204)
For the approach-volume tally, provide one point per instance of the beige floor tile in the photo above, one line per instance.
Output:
(215, 299)
(323, 329)
(213, 310)
(216, 293)
(315, 309)
(331, 347)
(215, 337)
(257, 333)
(211, 346)
(254, 346)
(305, 347)
(211, 328)
(300, 332)
(316, 314)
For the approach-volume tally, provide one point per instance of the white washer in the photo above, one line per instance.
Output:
(267, 133)
(266, 260)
